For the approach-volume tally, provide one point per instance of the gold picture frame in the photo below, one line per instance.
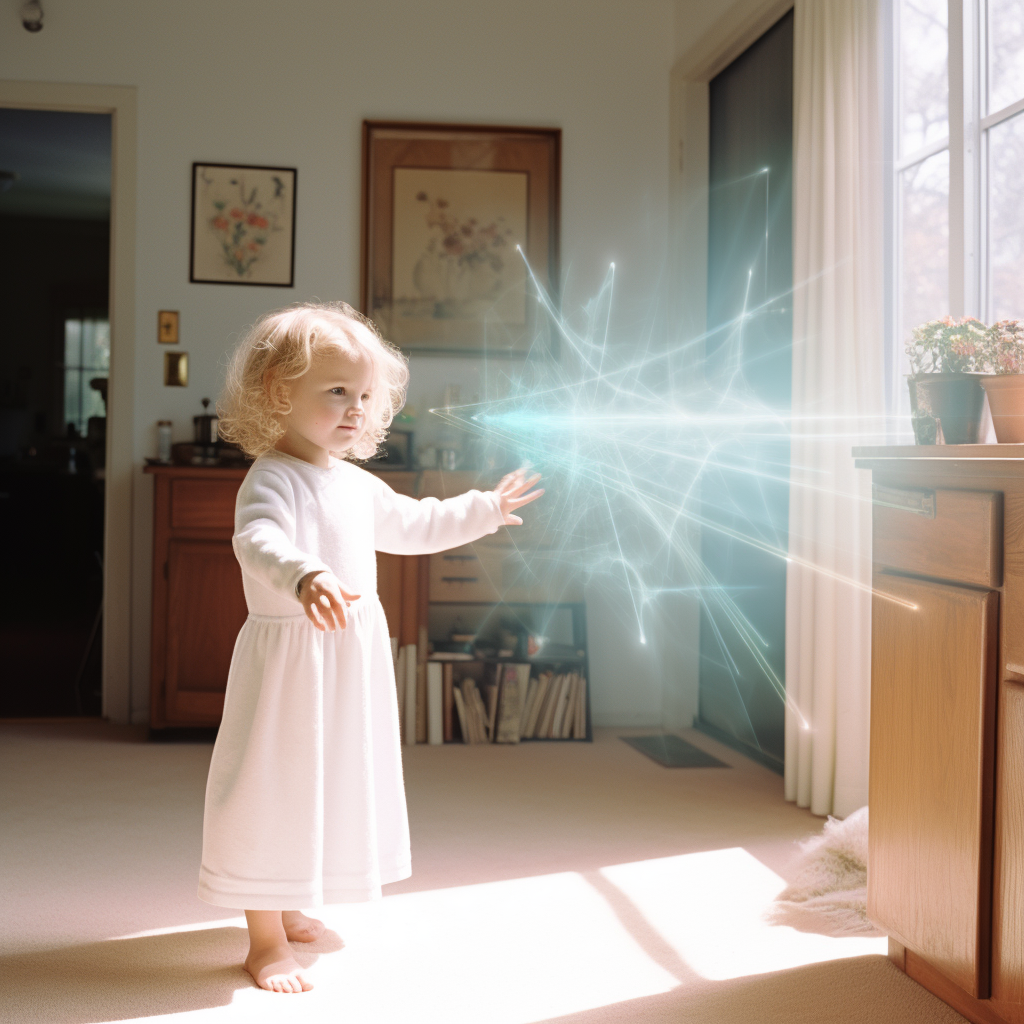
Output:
(176, 369)
(167, 327)
(458, 223)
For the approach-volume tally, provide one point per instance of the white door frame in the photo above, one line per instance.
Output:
(119, 102)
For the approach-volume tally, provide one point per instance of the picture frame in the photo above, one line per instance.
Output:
(167, 326)
(444, 208)
(243, 225)
(176, 369)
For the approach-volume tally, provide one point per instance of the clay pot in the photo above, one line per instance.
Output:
(946, 408)
(1006, 400)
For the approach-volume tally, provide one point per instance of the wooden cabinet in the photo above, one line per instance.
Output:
(205, 606)
(946, 846)
(932, 717)
(199, 606)
(198, 603)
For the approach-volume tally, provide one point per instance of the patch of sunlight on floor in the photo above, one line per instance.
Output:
(710, 908)
(511, 952)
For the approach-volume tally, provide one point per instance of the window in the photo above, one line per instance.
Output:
(957, 200)
(1002, 126)
(86, 357)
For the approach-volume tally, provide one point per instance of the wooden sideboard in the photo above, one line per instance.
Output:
(946, 843)
(199, 607)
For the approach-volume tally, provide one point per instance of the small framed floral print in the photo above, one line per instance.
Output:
(243, 225)
(460, 235)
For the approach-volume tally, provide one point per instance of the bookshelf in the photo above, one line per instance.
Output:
(511, 598)
(495, 672)
(530, 656)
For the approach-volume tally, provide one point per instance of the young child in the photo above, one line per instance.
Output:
(305, 802)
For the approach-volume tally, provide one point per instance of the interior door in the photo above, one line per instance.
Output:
(748, 366)
(933, 685)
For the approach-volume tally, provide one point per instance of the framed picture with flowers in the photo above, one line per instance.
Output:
(460, 235)
(243, 225)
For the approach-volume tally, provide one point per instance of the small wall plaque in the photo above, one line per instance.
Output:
(176, 369)
(167, 327)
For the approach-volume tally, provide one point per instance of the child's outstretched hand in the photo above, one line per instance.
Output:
(512, 494)
(324, 600)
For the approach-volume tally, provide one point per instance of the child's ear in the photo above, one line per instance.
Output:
(277, 391)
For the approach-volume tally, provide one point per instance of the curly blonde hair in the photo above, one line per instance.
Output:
(280, 346)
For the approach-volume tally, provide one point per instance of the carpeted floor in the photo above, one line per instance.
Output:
(552, 882)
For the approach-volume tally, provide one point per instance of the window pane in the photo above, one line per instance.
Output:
(924, 244)
(1005, 53)
(73, 398)
(96, 344)
(924, 79)
(1006, 219)
(72, 342)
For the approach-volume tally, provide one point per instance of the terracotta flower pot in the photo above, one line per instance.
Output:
(946, 408)
(1006, 400)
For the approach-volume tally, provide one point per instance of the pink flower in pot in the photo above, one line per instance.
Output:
(947, 360)
(1006, 388)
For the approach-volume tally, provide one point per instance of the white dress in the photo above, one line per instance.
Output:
(305, 802)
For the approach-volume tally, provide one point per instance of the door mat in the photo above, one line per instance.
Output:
(673, 752)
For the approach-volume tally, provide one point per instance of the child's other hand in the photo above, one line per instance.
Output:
(512, 494)
(324, 600)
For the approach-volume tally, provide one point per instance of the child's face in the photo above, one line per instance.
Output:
(328, 401)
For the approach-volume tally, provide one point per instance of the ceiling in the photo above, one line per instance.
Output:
(62, 160)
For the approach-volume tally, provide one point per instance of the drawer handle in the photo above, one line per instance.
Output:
(459, 579)
(919, 502)
(459, 558)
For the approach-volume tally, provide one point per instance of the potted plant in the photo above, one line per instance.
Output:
(948, 359)
(1006, 387)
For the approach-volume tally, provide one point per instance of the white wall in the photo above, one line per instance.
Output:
(289, 84)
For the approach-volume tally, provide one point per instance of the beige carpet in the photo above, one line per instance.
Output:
(564, 882)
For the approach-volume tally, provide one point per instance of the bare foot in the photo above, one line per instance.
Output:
(274, 968)
(300, 928)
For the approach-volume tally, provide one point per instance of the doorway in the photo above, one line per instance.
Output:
(749, 354)
(55, 218)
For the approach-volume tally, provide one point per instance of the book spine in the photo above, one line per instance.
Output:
(540, 704)
(480, 716)
(563, 694)
(435, 713)
(447, 700)
(568, 718)
(421, 686)
(531, 693)
(400, 687)
(410, 693)
(510, 708)
(460, 708)
(548, 729)
(581, 720)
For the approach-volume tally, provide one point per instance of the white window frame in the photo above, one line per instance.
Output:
(969, 286)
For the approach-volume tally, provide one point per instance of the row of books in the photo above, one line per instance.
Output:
(514, 705)
(517, 706)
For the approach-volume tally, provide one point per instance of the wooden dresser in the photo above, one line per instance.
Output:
(199, 607)
(946, 859)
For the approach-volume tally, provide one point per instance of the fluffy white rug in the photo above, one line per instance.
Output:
(830, 895)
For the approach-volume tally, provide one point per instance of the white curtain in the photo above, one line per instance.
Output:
(837, 371)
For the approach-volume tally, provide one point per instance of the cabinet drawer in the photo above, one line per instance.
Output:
(467, 574)
(949, 535)
(497, 572)
(203, 504)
